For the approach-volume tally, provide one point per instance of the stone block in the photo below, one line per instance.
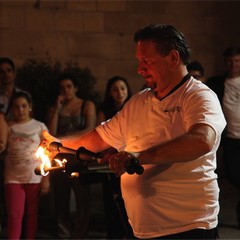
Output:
(111, 6)
(196, 8)
(93, 22)
(16, 3)
(54, 45)
(38, 20)
(147, 7)
(94, 45)
(50, 5)
(83, 5)
(8, 22)
(128, 49)
(68, 21)
(15, 43)
(114, 22)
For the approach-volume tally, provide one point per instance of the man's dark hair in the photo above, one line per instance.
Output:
(231, 51)
(8, 61)
(196, 66)
(167, 38)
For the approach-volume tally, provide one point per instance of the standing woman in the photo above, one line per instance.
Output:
(22, 185)
(70, 114)
(117, 94)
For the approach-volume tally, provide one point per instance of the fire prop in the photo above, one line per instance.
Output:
(85, 161)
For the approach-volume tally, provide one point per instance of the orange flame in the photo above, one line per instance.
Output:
(43, 154)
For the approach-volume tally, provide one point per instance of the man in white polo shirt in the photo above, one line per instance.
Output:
(174, 128)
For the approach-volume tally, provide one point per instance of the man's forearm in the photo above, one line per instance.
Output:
(185, 148)
(90, 140)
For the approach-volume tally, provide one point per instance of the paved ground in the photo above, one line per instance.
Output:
(227, 219)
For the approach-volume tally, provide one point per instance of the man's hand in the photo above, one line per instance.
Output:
(48, 139)
(117, 162)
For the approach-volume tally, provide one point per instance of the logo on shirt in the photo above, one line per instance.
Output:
(173, 109)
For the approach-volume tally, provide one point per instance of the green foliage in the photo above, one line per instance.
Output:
(40, 79)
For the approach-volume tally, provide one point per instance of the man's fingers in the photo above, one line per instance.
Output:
(49, 137)
(105, 159)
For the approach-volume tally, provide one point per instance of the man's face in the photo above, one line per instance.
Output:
(152, 66)
(7, 74)
(233, 66)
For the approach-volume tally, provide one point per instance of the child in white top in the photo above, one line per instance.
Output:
(22, 185)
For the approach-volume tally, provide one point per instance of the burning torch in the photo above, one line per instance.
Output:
(87, 161)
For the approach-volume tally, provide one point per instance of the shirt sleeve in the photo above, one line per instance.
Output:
(204, 107)
(111, 131)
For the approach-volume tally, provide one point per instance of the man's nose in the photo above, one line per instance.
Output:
(141, 69)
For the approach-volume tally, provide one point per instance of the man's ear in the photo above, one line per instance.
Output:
(174, 58)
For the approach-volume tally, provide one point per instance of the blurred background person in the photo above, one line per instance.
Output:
(117, 93)
(3, 132)
(227, 88)
(7, 89)
(196, 70)
(7, 79)
(7, 83)
(69, 114)
(22, 185)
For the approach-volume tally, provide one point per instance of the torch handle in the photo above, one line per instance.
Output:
(86, 157)
(57, 146)
(131, 166)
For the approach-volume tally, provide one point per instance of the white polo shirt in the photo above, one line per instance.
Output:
(179, 198)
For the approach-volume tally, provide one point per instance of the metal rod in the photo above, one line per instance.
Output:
(48, 169)
(56, 146)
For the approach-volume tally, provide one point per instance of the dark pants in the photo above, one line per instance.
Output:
(194, 234)
(69, 226)
(118, 226)
(231, 158)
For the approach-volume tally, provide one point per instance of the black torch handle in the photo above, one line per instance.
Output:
(82, 154)
(57, 146)
(132, 165)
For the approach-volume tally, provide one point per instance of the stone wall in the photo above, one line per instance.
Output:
(99, 34)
